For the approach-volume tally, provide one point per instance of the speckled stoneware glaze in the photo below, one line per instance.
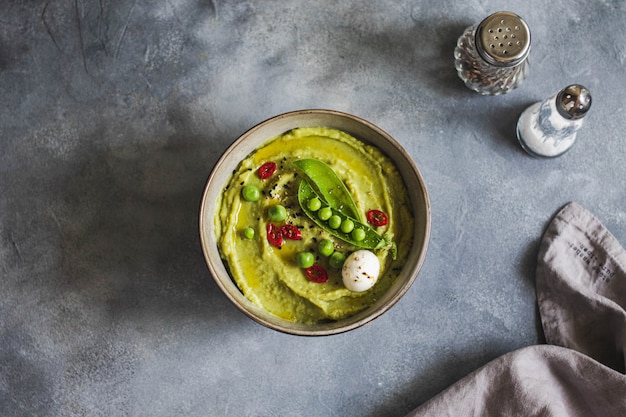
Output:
(366, 132)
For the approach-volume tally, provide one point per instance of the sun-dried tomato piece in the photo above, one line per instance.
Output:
(291, 232)
(316, 273)
(274, 235)
(377, 218)
(267, 170)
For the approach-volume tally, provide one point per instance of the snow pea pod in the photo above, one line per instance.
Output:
(328, 186)
(370, 238)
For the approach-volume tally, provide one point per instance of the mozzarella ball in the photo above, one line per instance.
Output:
(360, 271)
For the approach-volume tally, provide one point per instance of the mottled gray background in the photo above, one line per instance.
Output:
(112, 115)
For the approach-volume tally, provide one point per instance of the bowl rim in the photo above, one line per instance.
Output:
(258, 314)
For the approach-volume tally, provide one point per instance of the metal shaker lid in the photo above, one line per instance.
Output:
(503, 39)
(573, 101)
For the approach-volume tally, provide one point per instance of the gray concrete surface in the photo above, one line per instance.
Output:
(113, 114)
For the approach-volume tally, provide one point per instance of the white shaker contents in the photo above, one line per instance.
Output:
(549, 128)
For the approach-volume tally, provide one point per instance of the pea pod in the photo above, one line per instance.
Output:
(371, 239)
(328, 186)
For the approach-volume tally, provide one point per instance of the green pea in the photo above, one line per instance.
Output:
(248, 233)
(325, 213)
(305, 259)
(358, 234)
(334, 222)
(277, 213)
(315, 204)
(336, 260)
(347, 226)
(250, 193)
(326, 247)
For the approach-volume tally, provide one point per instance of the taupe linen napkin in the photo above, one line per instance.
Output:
(581, 287)
(581, 292)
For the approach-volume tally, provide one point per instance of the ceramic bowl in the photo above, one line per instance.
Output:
(366, 132)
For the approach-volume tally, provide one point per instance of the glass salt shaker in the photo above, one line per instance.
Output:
(492, 57)
(549, 128)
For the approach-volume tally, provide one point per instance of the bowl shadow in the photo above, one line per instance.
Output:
(128, 225)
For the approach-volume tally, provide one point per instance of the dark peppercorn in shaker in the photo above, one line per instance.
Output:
(492, 57)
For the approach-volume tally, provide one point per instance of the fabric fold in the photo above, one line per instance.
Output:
(581, 287)
(542, 380)
(581, 293)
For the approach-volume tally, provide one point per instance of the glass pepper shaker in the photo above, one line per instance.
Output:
(549, 128)
(492, 57)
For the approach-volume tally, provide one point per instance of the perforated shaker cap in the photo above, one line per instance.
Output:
(573, 101)
(503, 39)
